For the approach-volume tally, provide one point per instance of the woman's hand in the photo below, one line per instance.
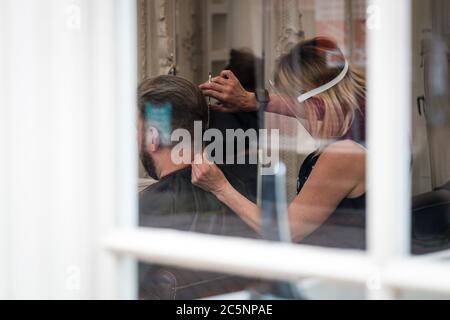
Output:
(228, 90)
(208, 176)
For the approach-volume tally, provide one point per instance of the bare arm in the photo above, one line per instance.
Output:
(338, 174)
(244, 208)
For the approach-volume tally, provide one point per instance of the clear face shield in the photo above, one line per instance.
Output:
(287, 102)
(293, 102)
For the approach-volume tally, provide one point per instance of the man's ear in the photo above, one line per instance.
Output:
(153, 140)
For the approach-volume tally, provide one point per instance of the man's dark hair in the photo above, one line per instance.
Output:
(245, 65)
(186, 100)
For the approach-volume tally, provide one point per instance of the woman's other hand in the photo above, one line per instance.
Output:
(228, 90)
(208, 176)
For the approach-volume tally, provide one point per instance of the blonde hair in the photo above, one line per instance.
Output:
(311, 64)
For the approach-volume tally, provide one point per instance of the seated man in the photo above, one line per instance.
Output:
(168, 103)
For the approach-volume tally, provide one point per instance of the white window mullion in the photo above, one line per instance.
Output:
(389, 121)
(4, 212)
(127, 78)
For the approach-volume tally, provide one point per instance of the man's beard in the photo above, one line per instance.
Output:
(147, 161)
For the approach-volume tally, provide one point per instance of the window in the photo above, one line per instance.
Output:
(69, 201)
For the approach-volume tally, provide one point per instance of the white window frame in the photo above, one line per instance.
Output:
(387, 267)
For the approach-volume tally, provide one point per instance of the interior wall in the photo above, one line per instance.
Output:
(190, 40)
(246, 25)
(285, 29)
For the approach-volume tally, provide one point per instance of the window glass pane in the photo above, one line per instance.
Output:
(290, 162)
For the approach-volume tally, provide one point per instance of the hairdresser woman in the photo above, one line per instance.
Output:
(314, 83)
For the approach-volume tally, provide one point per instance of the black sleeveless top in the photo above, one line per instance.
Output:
(345, 227)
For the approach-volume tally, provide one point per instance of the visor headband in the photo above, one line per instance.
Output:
(327, 86)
